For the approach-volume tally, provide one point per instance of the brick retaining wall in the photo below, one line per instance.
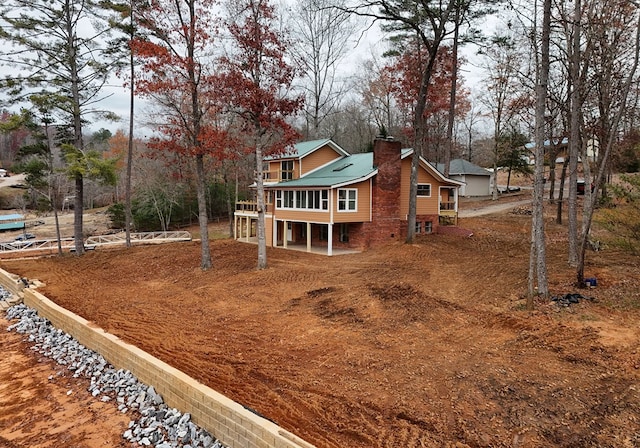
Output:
(227, 420)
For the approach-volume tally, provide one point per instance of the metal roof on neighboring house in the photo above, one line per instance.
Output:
(11, 217)
(346, 170)
(556, 142)
(463, 167)
(406, 152)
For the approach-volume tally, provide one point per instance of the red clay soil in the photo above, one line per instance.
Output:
(42, 405)
(423, 345)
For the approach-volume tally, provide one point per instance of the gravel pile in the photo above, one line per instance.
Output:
(156, 425)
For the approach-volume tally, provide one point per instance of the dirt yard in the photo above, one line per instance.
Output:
(424, 345)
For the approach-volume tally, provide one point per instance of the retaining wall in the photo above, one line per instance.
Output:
(227, 420)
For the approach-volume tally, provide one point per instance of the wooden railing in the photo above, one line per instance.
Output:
(251, 206)
(448, 205)
(278, 175)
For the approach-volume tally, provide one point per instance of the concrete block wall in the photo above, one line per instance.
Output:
(11, 283)
(227, 420)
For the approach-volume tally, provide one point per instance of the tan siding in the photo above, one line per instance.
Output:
(363, 205)
(302, 215)
(268, 230)
(317, 159)
(424, 205)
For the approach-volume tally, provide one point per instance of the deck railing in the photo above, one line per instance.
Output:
(448, 205)
(251, 206)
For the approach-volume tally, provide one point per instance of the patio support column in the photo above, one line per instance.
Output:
(330, 239)
(248, 228)
(308, 237)
(455, 195)
(235, 226)
(274, 231)
(285, 233)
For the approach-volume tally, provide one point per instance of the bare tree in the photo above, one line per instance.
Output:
(322, 34)
(502, 89)
(538, 261)
(615, 58)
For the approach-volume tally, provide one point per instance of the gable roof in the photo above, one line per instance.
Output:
(302, 149)
(344, 171)
(464, 167)
(432, 169)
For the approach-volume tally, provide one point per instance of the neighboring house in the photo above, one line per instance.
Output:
(318, 195)
(476, 180)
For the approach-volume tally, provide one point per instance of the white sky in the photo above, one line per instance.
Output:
(372, 42)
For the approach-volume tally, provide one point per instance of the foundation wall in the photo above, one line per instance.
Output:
(227, 420)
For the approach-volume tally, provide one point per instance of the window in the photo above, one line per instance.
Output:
(424, 190)
(428, 227)
(347, 200)
(418, 227)
(287, 201)
(302, 199)
(266, 174)
(286, 170)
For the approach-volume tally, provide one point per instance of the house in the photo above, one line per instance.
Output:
(476, 180)
(320, 196)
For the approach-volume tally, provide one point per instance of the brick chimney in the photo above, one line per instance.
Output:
(386, 190)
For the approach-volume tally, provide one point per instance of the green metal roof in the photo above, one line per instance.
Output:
(349, 169)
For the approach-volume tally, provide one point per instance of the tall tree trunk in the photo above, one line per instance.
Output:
(537, 219)
(203, 218)
(77, 130)
(229, 200)
(553, 155)
(53, 196)
(262, 241)
(574, 137)
(419, 134)
(561, 191)
(128, 215)
(452, 96)
(78, 204)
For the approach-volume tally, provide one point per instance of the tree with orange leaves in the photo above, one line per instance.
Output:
(177, 74)
(406, 70)
(255, 81)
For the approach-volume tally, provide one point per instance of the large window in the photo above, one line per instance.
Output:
(286, 170)
(424, 190)
(302, 199)
(347, 200)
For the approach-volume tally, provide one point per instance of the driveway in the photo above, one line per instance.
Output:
(489, 207)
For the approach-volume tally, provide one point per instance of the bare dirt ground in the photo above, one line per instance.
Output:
(42, 405)
(423, 345)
